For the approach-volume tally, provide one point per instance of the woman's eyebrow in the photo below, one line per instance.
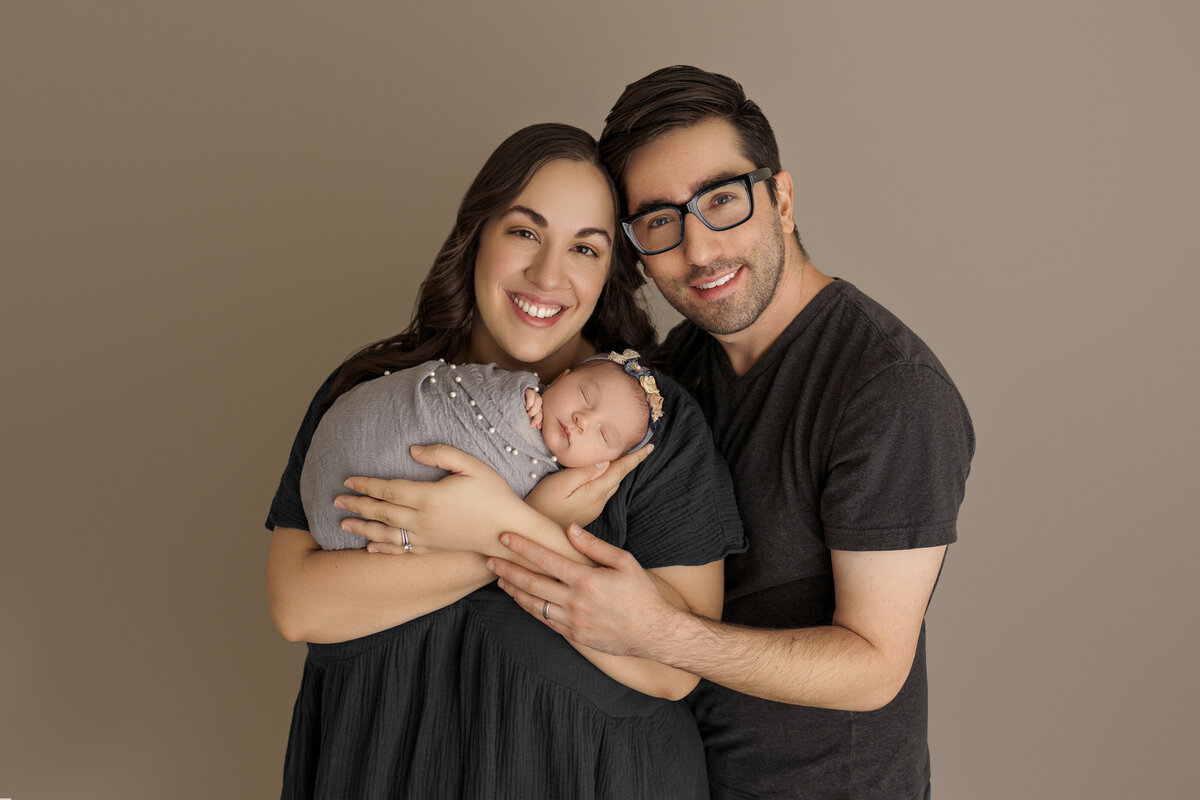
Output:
(542, 222)
(585, 232)
(534, 216)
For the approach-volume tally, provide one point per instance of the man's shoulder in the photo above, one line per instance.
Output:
(868, 325)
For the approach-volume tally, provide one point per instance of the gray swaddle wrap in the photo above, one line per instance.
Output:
(368, 430)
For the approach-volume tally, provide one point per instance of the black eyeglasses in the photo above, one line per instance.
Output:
(720, 207)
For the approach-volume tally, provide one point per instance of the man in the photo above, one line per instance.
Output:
(849, 446)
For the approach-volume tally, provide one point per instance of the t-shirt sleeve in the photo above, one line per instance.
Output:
(287, 508)
(678, 507)
(898, 463)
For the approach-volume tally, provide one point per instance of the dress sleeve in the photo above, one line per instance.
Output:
(287, 509)
(678, 507)
(898, 464)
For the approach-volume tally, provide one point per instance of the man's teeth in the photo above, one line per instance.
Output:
(541, 312)
(718, 282)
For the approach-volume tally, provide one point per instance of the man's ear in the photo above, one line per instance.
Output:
(784, 193)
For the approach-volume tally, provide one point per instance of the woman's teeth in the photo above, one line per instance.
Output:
(718, 282)
(533, 310)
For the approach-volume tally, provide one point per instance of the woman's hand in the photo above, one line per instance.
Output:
(466, 510)
(578, 494)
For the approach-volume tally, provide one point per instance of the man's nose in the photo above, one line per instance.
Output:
(701, 246)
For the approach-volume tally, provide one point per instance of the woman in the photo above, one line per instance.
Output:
(423, 679)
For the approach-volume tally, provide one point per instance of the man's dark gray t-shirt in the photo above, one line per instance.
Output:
(847, 434)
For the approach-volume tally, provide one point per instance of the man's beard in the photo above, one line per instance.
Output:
(737, 311)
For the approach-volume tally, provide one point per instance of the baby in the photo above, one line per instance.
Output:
(608, 405)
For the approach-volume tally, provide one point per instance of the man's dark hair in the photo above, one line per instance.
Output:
(680, 97)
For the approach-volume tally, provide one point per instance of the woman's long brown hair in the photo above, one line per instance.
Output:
(446, 300)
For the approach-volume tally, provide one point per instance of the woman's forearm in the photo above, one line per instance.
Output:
(647, 677)
(317, 595)
(536, 526)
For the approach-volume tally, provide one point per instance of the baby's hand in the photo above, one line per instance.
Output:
(533, 407)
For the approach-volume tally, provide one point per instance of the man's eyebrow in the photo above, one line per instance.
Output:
(536, 218)
(693, 190)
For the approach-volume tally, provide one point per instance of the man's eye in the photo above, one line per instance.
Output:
(658, 222)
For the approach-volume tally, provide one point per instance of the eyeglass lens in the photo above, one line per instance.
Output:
(720, 207)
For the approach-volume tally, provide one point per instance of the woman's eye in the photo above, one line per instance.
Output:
(587, 251)
(524, 233)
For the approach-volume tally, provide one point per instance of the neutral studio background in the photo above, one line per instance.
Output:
(205, 206)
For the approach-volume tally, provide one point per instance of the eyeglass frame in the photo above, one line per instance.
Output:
(748, 180)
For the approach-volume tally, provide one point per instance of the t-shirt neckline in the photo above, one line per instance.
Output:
(783, 342)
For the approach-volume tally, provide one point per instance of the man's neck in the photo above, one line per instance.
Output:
(799, 283)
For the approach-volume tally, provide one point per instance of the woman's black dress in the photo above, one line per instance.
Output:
(481, 700)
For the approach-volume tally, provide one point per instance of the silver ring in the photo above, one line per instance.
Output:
(404, 539)
(546, 610)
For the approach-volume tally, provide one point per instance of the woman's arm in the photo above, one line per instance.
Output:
(320, 595)
(470, 507)
(317, 595)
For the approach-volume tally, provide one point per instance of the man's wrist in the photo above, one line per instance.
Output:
(665, 639)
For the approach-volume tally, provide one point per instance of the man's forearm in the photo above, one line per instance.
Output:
(826, 667)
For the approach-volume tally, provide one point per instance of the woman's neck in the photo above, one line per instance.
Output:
(547, 369)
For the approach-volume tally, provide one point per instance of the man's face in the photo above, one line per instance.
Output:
(720, 280)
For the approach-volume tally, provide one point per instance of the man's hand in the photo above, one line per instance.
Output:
(611, 607)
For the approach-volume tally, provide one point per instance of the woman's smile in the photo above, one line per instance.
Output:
(537, 310)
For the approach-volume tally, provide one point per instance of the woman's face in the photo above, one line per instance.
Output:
(540, 267)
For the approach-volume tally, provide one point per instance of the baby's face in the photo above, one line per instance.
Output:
(592, 414)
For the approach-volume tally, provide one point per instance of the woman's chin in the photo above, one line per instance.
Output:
(529, 347)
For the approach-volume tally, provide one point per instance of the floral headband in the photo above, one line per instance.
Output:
(630, 361)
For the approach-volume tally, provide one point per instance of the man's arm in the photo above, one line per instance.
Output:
(858, 663)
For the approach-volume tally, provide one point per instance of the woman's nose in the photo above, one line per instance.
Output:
(547, 271)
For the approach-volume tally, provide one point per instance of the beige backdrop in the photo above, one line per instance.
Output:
(207, 205)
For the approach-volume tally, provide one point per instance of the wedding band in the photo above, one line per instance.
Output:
(546, 610)
(404, 539)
